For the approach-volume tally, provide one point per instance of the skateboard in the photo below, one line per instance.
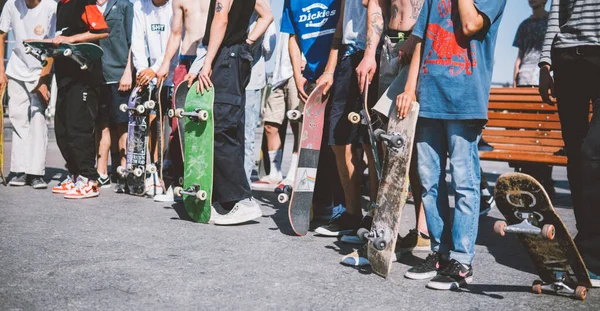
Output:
(180, 95)
(82, 53)
(2, 92)
(198, 153)
(529, 214)
(139, 106)
(155, 154)
(393, 190)
(301, 192)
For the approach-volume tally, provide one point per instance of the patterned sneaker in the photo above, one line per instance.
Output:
(594, 278)
(104, 181)
(37, 182)
(64, 186)
(425, 270)
(20, 179)
(413, 241)
(339, 226)
(84, 188)
(452, 276)
(359, 257)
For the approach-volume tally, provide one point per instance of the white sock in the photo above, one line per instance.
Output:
(103, 176)
(275, 162)
(293, 166)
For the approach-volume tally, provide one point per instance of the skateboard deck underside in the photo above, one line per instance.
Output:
(2, 92)
(517, 192)
(393, 190)
(199, 154)
(264, 167)
(137, 142)
(308, 160)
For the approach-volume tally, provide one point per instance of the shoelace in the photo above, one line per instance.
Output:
(452, 268)
(431, 260)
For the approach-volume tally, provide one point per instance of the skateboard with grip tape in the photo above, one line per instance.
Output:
(82, 53)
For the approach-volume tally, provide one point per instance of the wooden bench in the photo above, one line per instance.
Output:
(522, 128)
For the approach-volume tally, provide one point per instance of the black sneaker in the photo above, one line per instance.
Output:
(104, 182)
(425, 270)
(120, 186)
(485, 202)
(338, 226)
(37, 182)
(452, 276)
(20, 179)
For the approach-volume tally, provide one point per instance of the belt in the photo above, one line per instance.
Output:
(397, 35)
(584, 50)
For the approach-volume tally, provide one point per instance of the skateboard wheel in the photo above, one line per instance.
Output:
(140, 109)
(68, 52)
(499, 227)
(283, 198)
(84, 67)
(150, 104)
(536, 288)
(201, 195)
(121, 171)
(379, 243)
(179, 113)
(138, 172)
(203, 115)
(44, 63)
(396, 141)
(170, 113)
(177, 191)
(548, 231)
(152, 169)
(28, 50)
(353, 117)
(581, 292)
(363, 234)
(293, 114)
(123, 107)
(377, 133)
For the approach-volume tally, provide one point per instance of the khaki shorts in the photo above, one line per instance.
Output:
(282, 99)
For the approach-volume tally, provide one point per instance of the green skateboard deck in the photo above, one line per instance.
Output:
(198, 153)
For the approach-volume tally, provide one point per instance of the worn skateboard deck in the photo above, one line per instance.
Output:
(139, 106)
(82, 53)
(2, 92)
(393, 190)
(198, 153)
(301, 193)
(529, 213)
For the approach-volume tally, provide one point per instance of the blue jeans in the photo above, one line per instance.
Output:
(452, 232)
(253, 99)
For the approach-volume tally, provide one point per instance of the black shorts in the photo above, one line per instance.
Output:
(346, 98)
(110, 98)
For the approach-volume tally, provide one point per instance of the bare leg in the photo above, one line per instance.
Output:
(272, 132)
(103, 148)
(347, 163)
(122, 142)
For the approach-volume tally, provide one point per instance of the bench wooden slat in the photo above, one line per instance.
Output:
(533, 125)
(503, 105)
(530, 148)
(512, 90)
(506, 156)
(514, 98)
(523, 116)
(525, 141)
(517, 133)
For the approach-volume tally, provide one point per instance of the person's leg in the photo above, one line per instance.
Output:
(62, 138)
(292, 102)
(103, 135)
(274, 116)
(253, 101)
(18, 108)
(37, 140)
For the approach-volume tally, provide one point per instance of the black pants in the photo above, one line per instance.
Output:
(577, 82)
(75, 120)
(231, 74)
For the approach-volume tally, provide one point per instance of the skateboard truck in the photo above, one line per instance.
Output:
(137, 172)
(559, 287)
(196, 115)
(395, 140)
(284, 193)
(191, 191)
(140, 109)
(376, 236)
(69, 53)
(525, 227)
(293, 114)
(42, 57)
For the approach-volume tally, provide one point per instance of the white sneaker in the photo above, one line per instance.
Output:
(243, 211)
(267, 183)
(166, 197)
(153, 185)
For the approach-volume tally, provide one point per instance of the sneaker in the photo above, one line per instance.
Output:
(243, 211)
(84, 188)
(37, 182)
(20, 179)
(413, 241)
(359, 257)
(64, 186)
(341, 225)
(104, 181)
(426, 269)
(452, 276)
(166, 197)
(352, 238)
(153, 185)
(120, 186)
(594, 278)
(267, 182)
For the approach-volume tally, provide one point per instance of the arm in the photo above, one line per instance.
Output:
(472, 20)
(405, 100)
(546, 87)
(43, 91)
(296, 60)
(327, 75)
(269, 42)
(375, 25)
(126, 80)
(265, 18)
(139, 56)
(173, 42)
(96, 25)
(3, 78)
(517, 66)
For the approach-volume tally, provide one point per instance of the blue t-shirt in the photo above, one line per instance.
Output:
(314, 22)
(456, 71)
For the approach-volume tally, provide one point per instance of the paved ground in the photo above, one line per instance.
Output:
(120, 252)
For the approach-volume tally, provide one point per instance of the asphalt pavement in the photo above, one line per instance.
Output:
(120, 252)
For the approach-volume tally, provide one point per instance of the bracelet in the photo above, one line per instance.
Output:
(327, 73)
(251, 40)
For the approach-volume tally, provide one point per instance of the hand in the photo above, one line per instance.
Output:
(162, 73)
(62, 39)
(125, 82)
(3, 80)
(190, 77)
(300, 85)
(547, 86)
(43, 93)
(326, 79)
(144, 77)
(404, 102)
(365, 72)
(204, 82)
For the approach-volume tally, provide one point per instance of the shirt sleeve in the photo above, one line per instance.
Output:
(128, 21)
(286, 19)
(518, 42)
(422, 21)
(138, 40)
(6, 18)
(94, 19)
(52, 23)
(551, 32)
(492, 9)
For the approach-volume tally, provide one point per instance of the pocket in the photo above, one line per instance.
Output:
(228, 111)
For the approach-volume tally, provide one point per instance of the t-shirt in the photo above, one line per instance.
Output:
(239, 20)
(456, 70)
(314, 22)
(75, 17)
(37, 23)
(355, 24)
(530, 39)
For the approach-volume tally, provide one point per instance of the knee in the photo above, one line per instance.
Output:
(271, 129)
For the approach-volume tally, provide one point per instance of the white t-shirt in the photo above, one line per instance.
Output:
(150, 33)
(37, 23)
(102, 7)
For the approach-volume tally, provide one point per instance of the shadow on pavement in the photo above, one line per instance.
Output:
(488, 289)
(281, 219)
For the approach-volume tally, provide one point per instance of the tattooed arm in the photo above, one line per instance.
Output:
(327, 75)
(375, 24)
(472, 21)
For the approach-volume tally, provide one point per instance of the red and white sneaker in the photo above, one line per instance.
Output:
(64, 186)
(267, 182)
(84, 189)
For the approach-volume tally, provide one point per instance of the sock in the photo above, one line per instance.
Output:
(293, 166)
(103, 176)
(275, 158)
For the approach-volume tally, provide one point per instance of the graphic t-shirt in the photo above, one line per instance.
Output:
(37, 23)
(456, 70)
(355, 24)
(530, 39)
(313, 21)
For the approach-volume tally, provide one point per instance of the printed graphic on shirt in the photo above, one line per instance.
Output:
(39, 30)
(157, 27)
(316, 15)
